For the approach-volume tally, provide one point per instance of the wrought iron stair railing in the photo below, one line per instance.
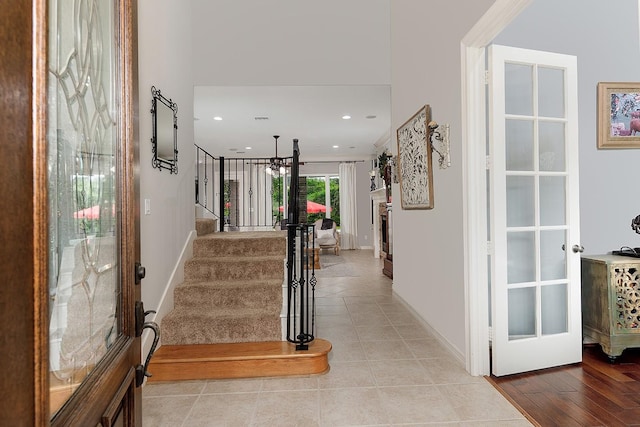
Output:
(301, 279)
(242, 193)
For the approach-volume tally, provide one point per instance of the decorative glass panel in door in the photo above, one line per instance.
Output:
(90, 328)
(534, 210)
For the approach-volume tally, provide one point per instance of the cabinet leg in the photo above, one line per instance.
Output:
(613, 352)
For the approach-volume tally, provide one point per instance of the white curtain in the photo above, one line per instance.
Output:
(348, 208)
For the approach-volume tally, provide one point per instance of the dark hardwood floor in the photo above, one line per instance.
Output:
(592, 393)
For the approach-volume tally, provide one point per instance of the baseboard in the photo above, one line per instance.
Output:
(166, 302)
(452, 349)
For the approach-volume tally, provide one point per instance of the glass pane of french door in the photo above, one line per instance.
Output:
(82, 138)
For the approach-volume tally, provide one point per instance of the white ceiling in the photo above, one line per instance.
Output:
(312, 114)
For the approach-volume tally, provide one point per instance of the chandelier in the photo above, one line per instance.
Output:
(276, 164)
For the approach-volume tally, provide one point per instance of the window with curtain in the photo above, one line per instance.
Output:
(318, 204)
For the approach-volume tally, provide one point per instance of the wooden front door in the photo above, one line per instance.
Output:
(68, 341)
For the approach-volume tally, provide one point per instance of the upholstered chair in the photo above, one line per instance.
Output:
(327, 236)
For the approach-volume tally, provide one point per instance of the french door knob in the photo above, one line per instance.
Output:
(575, 248)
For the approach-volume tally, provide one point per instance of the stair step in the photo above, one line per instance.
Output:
(210, 296)
(238, 360)
(205, 226)
(241, 244)
(233, 268)
(181, 327)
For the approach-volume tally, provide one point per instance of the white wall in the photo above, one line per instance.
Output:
(428, 254)
(164, 46)
(604, 37)
(291, 42)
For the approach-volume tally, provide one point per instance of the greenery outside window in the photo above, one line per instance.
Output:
(317, 189)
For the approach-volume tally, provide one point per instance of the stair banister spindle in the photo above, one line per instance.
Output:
(302, 337)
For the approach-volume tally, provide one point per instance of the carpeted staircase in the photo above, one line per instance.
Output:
(226, 321)
(232, 290)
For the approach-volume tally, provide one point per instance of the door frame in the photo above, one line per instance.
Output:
(474, 131)
(23, 322)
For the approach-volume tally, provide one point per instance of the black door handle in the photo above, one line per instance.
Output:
(140, 272)
(142, 370)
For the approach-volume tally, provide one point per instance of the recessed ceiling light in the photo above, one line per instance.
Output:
(336, 146)
(346, 117)
(247, 148)
(217, 118)
(371, 116)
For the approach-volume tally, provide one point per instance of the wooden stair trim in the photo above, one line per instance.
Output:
(237, 351)
(238, 360)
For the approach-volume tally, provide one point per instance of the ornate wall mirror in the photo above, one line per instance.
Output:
(164, 142)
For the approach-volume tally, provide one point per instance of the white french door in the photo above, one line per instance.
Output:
(534, 211)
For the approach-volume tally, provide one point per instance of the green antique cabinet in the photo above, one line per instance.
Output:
(611, 302)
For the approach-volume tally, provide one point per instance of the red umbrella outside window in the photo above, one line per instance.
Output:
(92, 212)
(312, 207)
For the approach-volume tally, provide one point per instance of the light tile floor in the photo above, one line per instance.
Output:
(386, 370)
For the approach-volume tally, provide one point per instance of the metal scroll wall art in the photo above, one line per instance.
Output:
(439, 139)
(164, 142)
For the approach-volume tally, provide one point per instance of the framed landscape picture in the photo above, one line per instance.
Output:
(414, 161)
(618, 115)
